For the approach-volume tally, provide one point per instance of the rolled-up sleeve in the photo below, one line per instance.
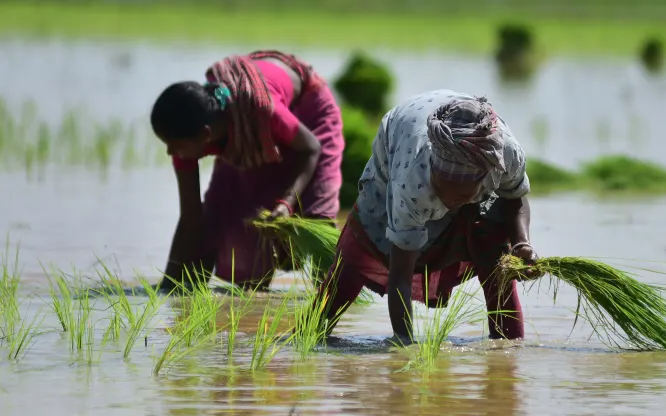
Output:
(514, 183)
(406, 228)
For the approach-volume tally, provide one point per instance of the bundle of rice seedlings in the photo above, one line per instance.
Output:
(316, 239)
(305, 236)
(623, 311)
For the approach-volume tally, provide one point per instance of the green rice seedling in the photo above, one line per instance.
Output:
(151, 291)
(137, 318)
(113, 330)
(196, 329)
(307, 238)
(74, 310)
(235, 314)
(312, 326)
(20, 339)
(317, 238)
(268, 340)
(61, 298)
(9, 285)
(112, 289)
(200, 302)
(143, 319)
(80, 322)
(624, 312)
(180, 344)
(130, 156)
(461, 308)
(15, 332)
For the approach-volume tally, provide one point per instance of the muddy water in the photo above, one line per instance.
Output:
(72, 218)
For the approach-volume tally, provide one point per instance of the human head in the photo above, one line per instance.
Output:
(466, 146)
(186, 117)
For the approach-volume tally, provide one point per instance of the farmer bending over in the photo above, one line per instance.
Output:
(445, 188)
(276, 132)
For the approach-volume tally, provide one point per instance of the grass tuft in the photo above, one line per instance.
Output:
(312, 325)
(269, 340)
(449, 314)
(16, 333)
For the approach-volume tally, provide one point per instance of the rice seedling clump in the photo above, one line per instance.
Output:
(315, 239)
(622, 310)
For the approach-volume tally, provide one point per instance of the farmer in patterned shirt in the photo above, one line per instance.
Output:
(445, 189)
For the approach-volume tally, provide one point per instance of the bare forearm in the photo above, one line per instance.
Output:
(307, 147)
(304, 168)
(186, 247)
(401, 270)
(517, 216)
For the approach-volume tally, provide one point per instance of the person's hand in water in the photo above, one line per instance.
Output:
(526, 252)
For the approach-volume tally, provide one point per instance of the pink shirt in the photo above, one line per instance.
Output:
(283, 122)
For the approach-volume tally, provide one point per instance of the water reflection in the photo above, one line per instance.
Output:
(484, 383)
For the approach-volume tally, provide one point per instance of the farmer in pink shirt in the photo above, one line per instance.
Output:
(276, 132)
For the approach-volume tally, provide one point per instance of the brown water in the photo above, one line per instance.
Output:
(550, 373)
(127, 221)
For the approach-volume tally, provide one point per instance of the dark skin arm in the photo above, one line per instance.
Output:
(401, 270)
(517, 215)
(188, 241)
(308, 149)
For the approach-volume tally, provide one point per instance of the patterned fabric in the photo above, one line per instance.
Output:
(250, 105)
(396, 201)
(472, 244)
(310, 79)
(466, 143)
(235, 195)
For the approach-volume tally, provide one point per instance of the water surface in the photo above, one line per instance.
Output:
(72, 218)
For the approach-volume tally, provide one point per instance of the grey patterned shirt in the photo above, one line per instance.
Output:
(396, 202)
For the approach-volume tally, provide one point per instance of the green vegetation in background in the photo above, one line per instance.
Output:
(33, 149)
(460, 26)
(546, 178)
(623, 173)
(365, 84)
(516, 55)
(359, 134)
(652, 55)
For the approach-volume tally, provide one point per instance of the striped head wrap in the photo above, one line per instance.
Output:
(466, 141)
(250, 106)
